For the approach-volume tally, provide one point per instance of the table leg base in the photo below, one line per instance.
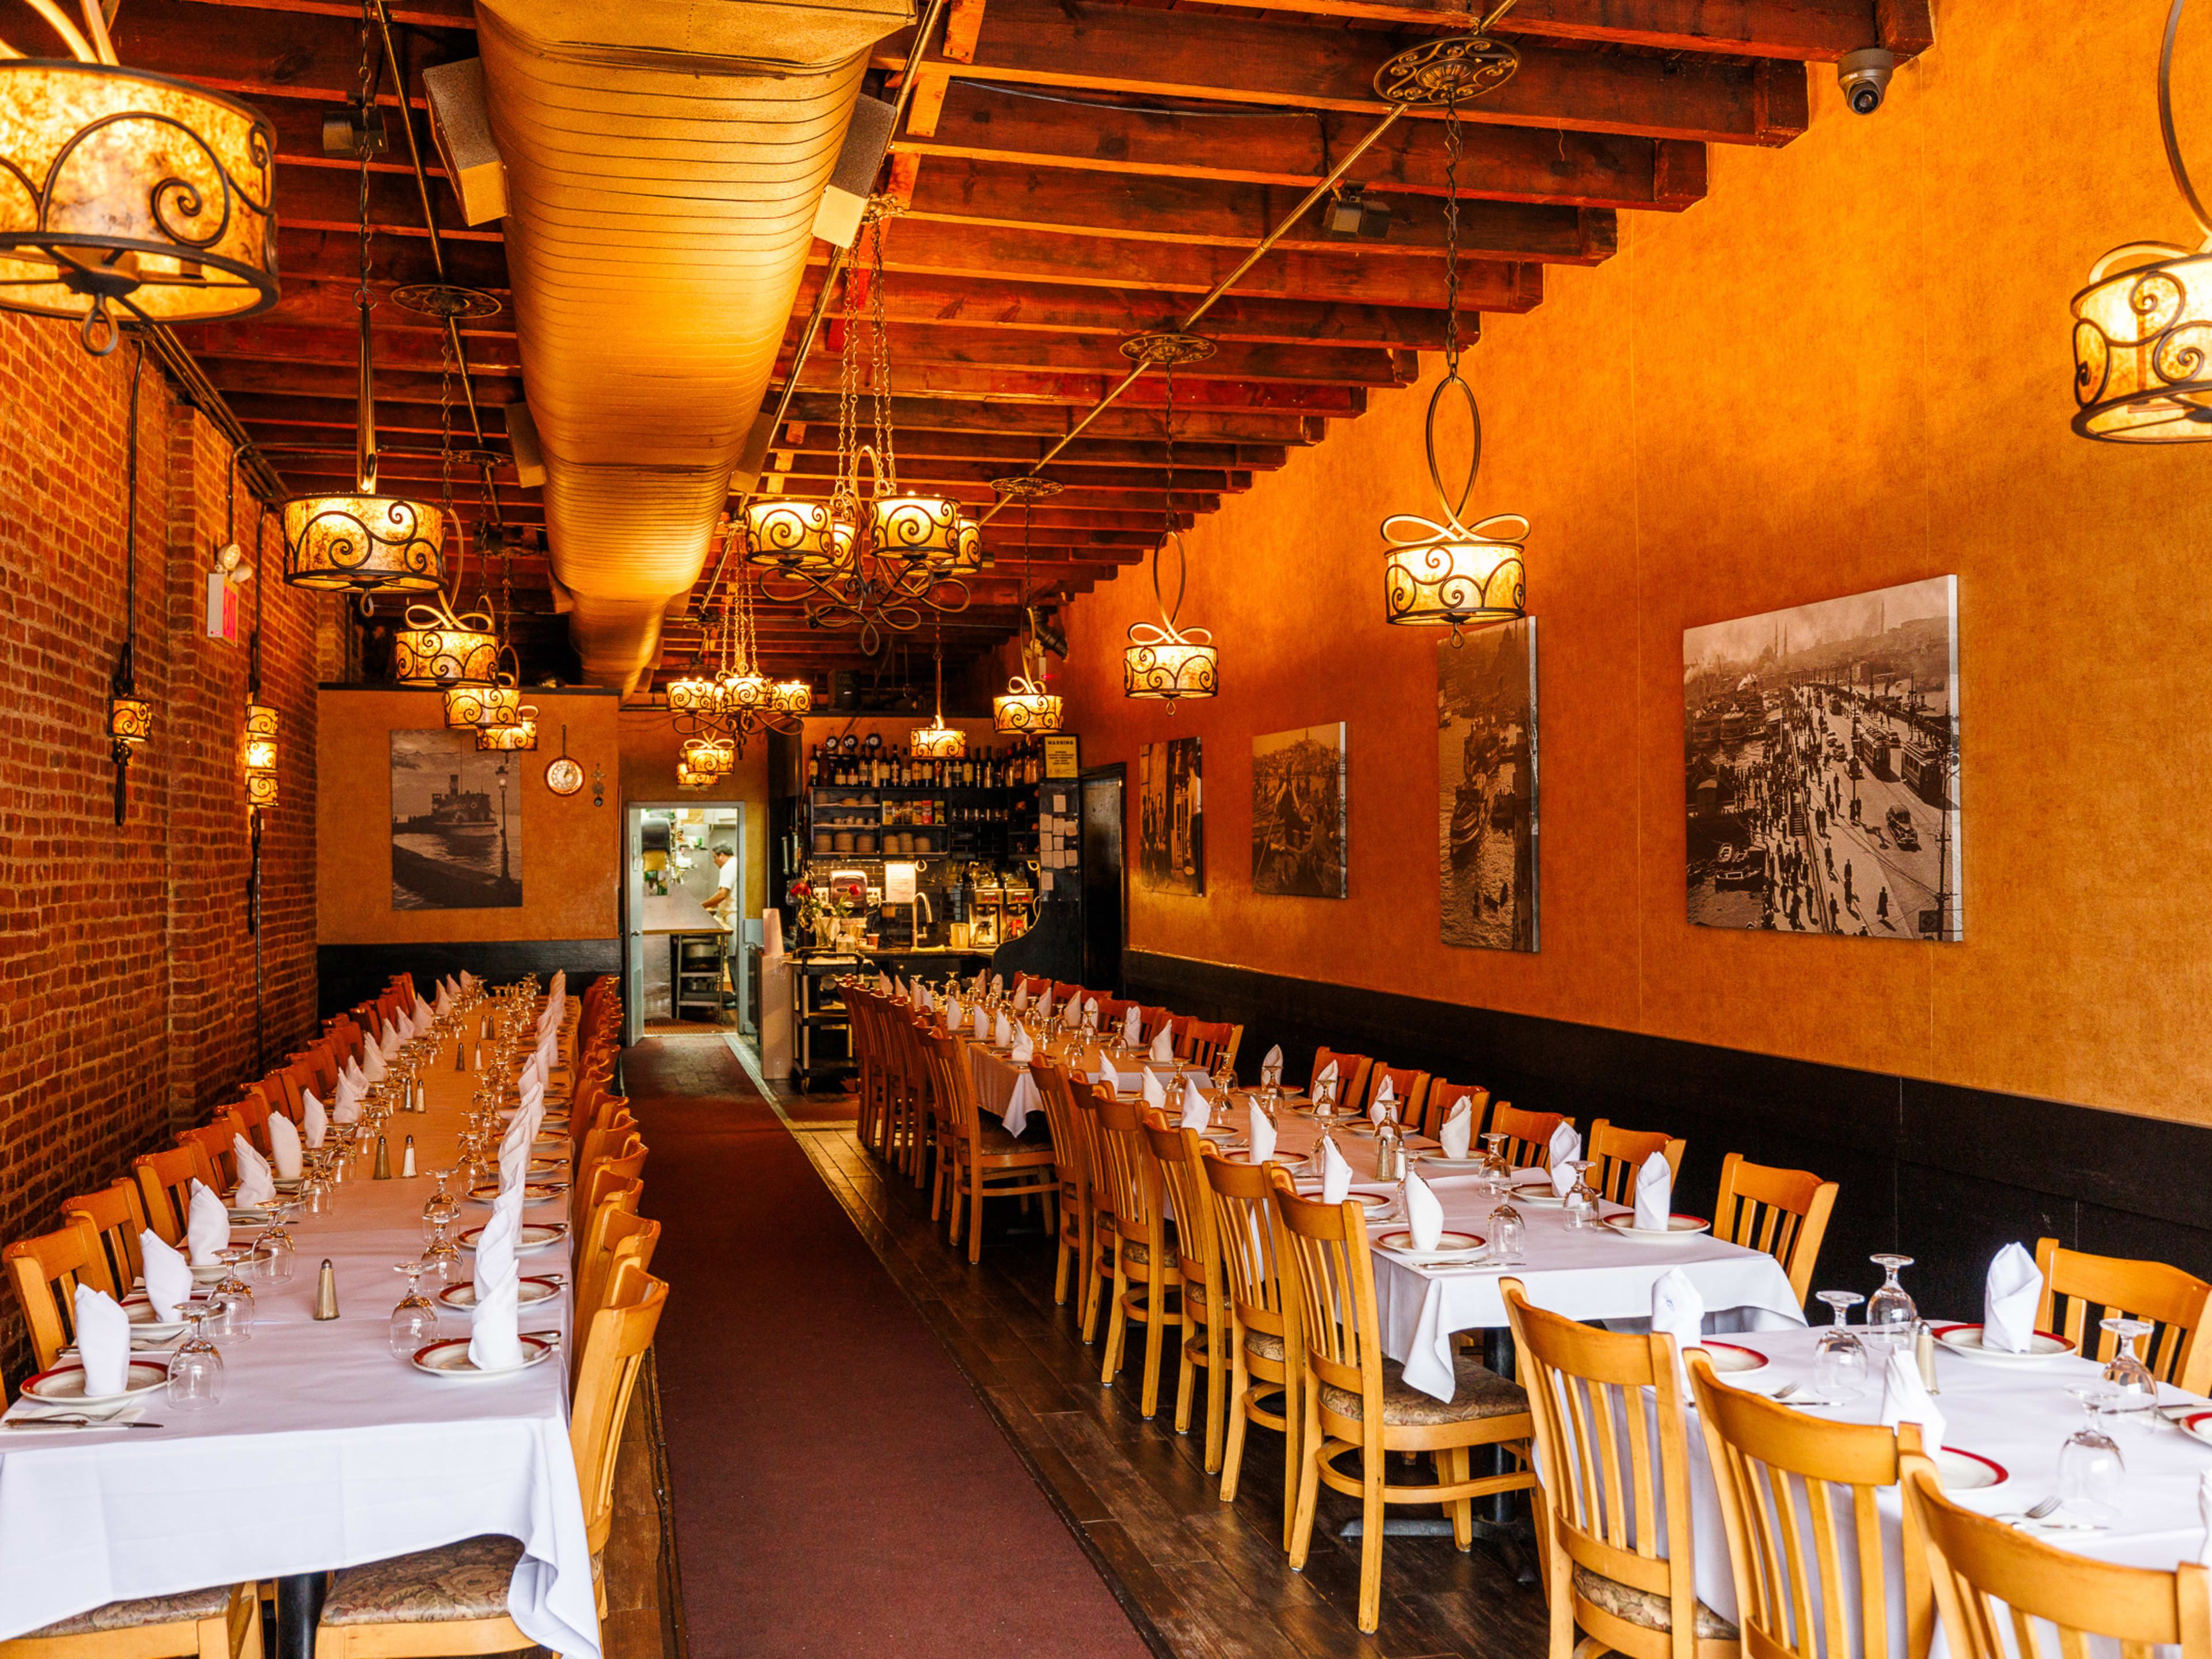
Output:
(1510, 1540)
(299, 1611)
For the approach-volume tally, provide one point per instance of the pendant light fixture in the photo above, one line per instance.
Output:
(364, 541)
(2142, 329)
(129, 193)
(258, 749)
(493, 697)
(1451, 574)
(1168, 662)
(730, 704)
(937, 740)
(130, 716)
(439, 647)
(1027, 706)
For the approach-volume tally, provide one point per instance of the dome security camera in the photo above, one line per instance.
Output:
(1864, 76)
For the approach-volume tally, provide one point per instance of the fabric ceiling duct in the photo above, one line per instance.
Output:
(665, 159)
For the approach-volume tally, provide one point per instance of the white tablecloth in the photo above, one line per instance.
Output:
(326, 1451)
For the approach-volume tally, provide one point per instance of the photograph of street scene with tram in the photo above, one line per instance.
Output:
(1171, 822)
(1822, 779)
(1487, 769)
(1297, 812)
(456, 824)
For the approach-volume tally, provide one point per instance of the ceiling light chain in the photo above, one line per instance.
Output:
(1027, 706)
(1164, 662)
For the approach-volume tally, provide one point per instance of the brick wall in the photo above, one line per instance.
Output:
(127, 1004)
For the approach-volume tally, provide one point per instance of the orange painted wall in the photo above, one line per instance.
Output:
(569, 848)
(1848, 368)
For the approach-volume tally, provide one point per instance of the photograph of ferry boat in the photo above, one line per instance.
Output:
(456, 824)
(1821, 782)
(1171, 820)
(1486, 770)
(1297, 812)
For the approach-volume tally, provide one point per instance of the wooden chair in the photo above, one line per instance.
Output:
(1616, 1154)
(1267, 1357)
(221, 1622)
(600, 1175)
(165, 1182)
(615, 1143)
(1206, 1322)
(1356, 1401)
(1106, 1239)
(613, 1236)
(1151, 1020)
(1992, 1580)
(214, 1140)
(45, 1271)
(1528, 1134)
(1601, 1402)
(1833, 1473)
(1408, 1087)
(1131, 1177)
(1112, 1010)
(116, 1215)
(1204, 1045)
(252, 1111)
(1442, 1097)
(1071, 1161)
(1351, 1078)
(452, 1599)
(862, 1012)
(985, 1162)
(1783, 1213)
(2172, 1300)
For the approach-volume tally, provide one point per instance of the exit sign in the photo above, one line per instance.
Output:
(221, 608)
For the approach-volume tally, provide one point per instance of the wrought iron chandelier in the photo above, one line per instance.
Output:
(1027, 706)
(128, 193)
(364, 541)
(881, 561)
(1451, 574)
(1167, 662)
(937, 740)
(487, 696)
(2142, 329)
(721, 710)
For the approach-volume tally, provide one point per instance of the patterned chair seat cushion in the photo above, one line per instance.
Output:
(175, 1609)
(466, 1580)
(1477, 1392)
(1646, 1609)
(1260, 1344)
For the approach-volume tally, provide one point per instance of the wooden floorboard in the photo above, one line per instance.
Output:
(1211, 1576)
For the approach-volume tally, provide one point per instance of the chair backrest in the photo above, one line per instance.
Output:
(608, 1187)
(598, 1178)
(1124, 1169)
(116, 1215)
(45, 1271)
(1070, 1144)
(1204, 1043)
(1246, 1233)
(1178, 1151)
(2118, 1287)
(1443, 1096)
(1528, 1134)
(617, 1140)
(1996, 1588)
(212, 1141)
(1151, 1020)
(1112, 1010)
(613, 1235)
(253, 1112)
(1351, 1078)
(1829, 1475)
(165, 1183)
(1783, 1213)
(1601, 1402)
(1615, 1154)
(954, 1076)
(615, 1346)
(1331, 1280)
(1409, 1088)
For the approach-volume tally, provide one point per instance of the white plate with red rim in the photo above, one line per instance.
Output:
(138, 1309)
(533, 1235)
(2043, 1347)
(1679, 1228)
(214, 1270)
(450, 1358)
(64, 1384)
(2199, 1424)
(1467, 1165)
(1732, 1359)
(1371, 1202)
(529, 1290)
(1966, 1471)
(1449, 1246)
(533, 1192)
(1293, 1161)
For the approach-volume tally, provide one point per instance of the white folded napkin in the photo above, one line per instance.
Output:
(1022, 997)
(1090, 1014)
(980, 1023)
(283, 1146)
(1261, 1133)
(345, 1107)
(977, 982)
(103, 1341)
(1271, 1068)
(493, 1344)
(2204, 1514)
(1562, 1175)
(422, 1016)
(373, 1068)
(169, 1276)
(315, 1123)
(882, 983)
(1323, 1078)
(1024, 1050)
(1107, 1074)
(928, 1002)
(999, 983)
(1905, 1399)
(1565, 1146)
(1335, 1173)
(1155, 1096)
(1457, 1131)
(1197, 1113)
(256, 1185)
(1133, 1025)
(389, 1048)
(1164, 1044)
(354, 1074)
(207, 1225)
(1677, 1311)
(2009, 1298)
(1655, 1194)
(1002, 1032)
(444, 1005)
(1386, 1098)
(954, 1013)
(1425, 1216)
(1045, 1004)
(1026, 1100)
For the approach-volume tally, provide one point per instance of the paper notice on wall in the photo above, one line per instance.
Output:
(898, 884)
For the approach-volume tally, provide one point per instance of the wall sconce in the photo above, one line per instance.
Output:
(261, 756)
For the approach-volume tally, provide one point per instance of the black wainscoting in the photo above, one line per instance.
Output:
(354, 974)
(1945, 1175)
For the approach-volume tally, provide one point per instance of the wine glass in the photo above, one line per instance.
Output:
(230, 1299)
(275, 1243)
(1891, 1316)
(439, 1209)
(1494, 1158)
(2090, 1467)
(315, 1184)
(1582, 1205)
(196, 1368)
(415, 1320)
(441, 1255)
(1224, 1073)
(1507, 1230)
(1840, 1366)
(2137, 1389)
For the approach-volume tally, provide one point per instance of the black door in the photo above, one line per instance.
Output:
(1102, 879)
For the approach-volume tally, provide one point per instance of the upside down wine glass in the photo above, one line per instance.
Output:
(415, 1320)
(1891, 1314)
(1840, 1359)
(196, 1368)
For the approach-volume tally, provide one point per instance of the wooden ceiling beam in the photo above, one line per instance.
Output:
(1047, 424)
(912, 346)
(334, 256)
(268, 54)
(1081, 482)
(1019, 453)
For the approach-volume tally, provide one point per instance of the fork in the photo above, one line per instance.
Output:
(2035, 1512)
(71, 1421)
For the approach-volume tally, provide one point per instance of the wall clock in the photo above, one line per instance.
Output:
(563, 776)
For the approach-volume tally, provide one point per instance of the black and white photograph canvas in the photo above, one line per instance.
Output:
(1171, 820)
(456, 824)
(1298, 813)
(1486, 771)
(1821, 778)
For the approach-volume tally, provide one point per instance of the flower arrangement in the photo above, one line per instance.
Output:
(821, 907)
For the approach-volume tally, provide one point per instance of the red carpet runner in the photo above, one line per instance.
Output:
(838, 1488)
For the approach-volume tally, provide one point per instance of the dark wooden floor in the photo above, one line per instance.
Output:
(1209, 1579)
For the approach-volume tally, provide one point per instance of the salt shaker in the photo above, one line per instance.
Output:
(326, 1292)
(1923, 1354)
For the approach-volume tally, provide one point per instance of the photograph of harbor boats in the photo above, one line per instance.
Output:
(1486, 773)
(1821, 778)
(1297, 812)
(456, 824)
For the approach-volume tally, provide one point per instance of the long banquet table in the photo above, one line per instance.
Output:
(326, 1449)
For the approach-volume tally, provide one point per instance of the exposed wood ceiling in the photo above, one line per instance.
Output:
(1072, 173)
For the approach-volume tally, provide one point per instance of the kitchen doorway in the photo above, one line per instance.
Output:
(685, 966)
